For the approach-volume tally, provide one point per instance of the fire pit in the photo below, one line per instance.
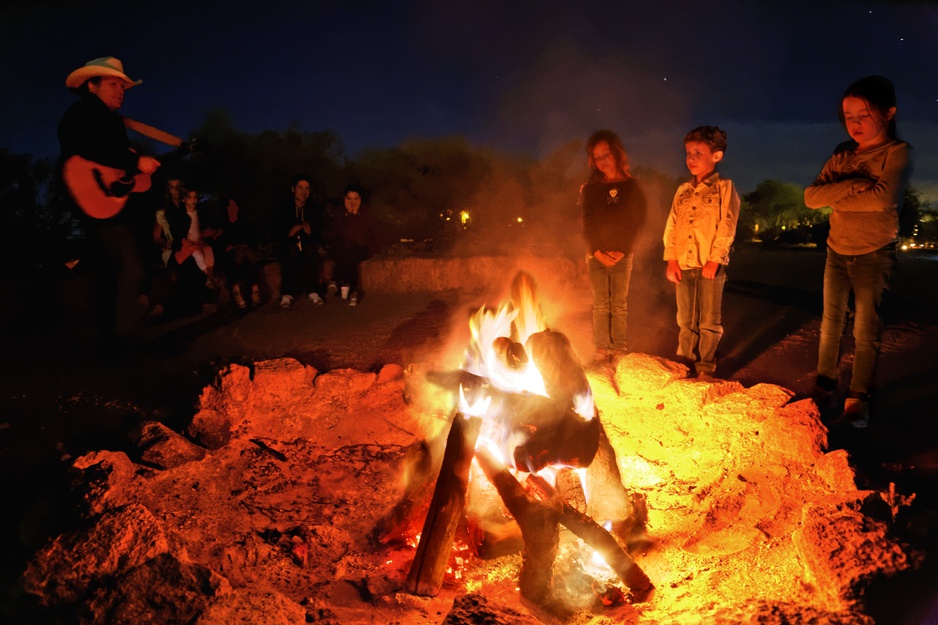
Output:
(269, 505)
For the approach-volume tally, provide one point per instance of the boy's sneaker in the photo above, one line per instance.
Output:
(286, 301)
(353, 299)
(857, 412)
(314, 298)
(255, 295)
(331, 288)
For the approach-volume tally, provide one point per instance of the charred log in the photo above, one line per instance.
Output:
(509, 353)
(404, 519)
(609, 500)
(446, 509)
(558, 438)
(539, 526)
(559, 366)
(552, 432)
(599, 539)
(570, 489)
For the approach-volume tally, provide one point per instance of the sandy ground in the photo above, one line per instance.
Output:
(59, 399)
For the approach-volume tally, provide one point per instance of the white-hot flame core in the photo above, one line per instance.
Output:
(583, 405)
(492, 448)
(481, 359)
(479, 407)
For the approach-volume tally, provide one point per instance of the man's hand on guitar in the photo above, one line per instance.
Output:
(147, 165)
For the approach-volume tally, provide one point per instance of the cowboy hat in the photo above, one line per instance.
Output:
(104, 66)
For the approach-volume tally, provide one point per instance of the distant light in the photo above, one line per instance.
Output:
(666, 79)
(520, 220)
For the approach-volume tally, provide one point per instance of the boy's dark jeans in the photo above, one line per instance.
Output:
(699, 317)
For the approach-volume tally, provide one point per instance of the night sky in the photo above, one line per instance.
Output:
(525, 77)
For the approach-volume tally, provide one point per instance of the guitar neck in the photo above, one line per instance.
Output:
(153, 133)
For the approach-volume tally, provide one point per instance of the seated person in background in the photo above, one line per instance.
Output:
(191, 235)
(236, 249)
(194, 290)
(172, 203)
(298, 225)
(354, 240)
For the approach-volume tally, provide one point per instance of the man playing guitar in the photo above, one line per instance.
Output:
(98, 161)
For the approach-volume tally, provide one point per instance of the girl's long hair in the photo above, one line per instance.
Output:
(618, 153)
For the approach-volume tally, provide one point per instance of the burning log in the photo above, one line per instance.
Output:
(539, 526)
(557, 437)
(553, 432)
(538, 516)
(570, 488)
(538, 411)
(509, 353)
(609, 499)
(446, 509)
(599, 539)
(558, 365)
(404, 519)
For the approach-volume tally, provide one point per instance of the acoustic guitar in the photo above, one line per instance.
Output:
(101, 191)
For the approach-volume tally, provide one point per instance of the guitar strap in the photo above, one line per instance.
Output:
(153, 133)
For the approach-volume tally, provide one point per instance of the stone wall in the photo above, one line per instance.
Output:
(407, 275)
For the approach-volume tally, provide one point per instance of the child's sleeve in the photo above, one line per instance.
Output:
(726, 228)
(828, 188)
(886, 192)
